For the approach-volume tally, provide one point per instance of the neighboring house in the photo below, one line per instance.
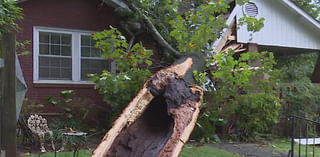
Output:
(62, 50)
(288, 30)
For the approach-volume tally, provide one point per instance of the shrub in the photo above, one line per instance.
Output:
(118, 89)
(246, 94)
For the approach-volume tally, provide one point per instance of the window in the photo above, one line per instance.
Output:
(91, 61)
(65, 56)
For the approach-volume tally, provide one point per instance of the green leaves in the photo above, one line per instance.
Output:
(115, 47)
(299, 95)
(252, 96)
(198, 27)
(310, 6)
(120, 89)
(253, 24)
(9, 13)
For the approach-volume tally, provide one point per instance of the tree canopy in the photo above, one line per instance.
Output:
(9, 13)
(310, 6)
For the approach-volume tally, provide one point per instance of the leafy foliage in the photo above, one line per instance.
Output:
(119, 89)
(188, 26)
(115, 47)
(248, 93)
(253, 24)
(298, 67)
(68, 107)
(310, 6)
(9, 13)
(199, 26)
(299, 95)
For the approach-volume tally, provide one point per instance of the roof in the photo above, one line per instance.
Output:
(301, 12)
(286, 3)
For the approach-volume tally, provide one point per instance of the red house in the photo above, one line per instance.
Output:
(62, 50)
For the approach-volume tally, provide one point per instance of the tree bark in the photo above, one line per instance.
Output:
(159, 120)
(8, 97)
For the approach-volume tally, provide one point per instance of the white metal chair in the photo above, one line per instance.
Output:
(38, 126)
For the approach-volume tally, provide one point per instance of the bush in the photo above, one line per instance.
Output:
(299, 96)
(120, 89)
(245, 96)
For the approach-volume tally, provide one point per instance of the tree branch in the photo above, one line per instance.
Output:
(129, 6)
(133, 36)
(155, 33)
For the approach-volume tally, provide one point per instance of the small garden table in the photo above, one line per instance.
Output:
(76, 143)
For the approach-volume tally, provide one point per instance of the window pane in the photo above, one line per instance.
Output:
(92, 66)
(55, 68)
(55, 62)
(85, 51)
(44, 61)
(44, 72)
(44, 49)
(92, 42)
(66, 73)
(66, 50)
(85, 40)
(66, 39)
(43, 37)
(55, 38)
(66, 63)
(55, 73)
(95, 52)
(55, 50)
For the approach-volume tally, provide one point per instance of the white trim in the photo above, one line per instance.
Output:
(62, 30)
(76, 64)
(309, 18)
(35, 54)
(75, 55)
(62, 82)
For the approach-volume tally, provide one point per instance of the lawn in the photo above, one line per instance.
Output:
(285, 145)
(204, 151)
(82, 153)
(188, 151)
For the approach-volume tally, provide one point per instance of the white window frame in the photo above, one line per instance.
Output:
(75, 55)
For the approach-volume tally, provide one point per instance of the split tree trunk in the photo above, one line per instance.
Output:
(158, 121)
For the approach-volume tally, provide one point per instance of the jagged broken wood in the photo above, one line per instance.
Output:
(158, 121)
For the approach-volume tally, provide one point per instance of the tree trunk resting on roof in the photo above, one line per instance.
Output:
(158, 121)
(129, 6)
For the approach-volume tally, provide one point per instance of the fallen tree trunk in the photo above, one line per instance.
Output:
(158, 121)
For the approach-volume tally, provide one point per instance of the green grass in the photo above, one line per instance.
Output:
(285, 145)
(204, 151)
(82, 153)
(188, 151)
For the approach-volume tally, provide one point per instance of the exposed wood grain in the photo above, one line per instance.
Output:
(224, 38)
(149, 127)
(231, 37)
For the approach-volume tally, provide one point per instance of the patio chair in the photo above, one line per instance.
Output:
(38, 126)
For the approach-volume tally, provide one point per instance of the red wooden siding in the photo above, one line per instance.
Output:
(70, 14)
